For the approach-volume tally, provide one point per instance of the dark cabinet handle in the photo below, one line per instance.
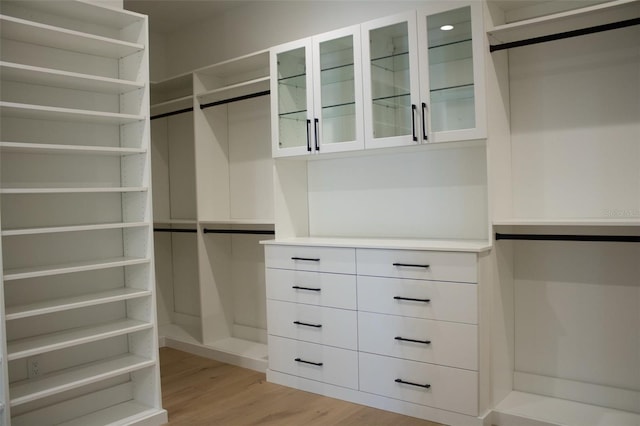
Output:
(319, 364)
(316, 125)
(297, 287)
(411, 265)
(411, 299)
(424, 342)
(307, 324)
(426, 386)
(425, 136)
(413, 122)
(307, 259)
(308, 135)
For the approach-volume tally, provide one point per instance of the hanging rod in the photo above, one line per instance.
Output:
(556, 237)
(191, 231)
(563, 35)
(167, 114)
(239, 231)
(237, 98)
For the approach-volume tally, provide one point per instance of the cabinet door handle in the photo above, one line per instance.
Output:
(306, 259)
(316, 125)
(307, 324)
(413, 122)
(425, 136)
(424, 342)
(426, 385)
(319, 364)
(308, 135)
(411, 265)
(411, 299)
(297, 287)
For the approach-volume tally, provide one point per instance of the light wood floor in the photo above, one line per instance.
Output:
(203, 392)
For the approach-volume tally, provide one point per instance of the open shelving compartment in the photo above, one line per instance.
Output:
(81, 342)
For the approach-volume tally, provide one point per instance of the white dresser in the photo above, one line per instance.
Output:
(390, 324)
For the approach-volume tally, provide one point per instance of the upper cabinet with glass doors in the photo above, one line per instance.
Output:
(316, 94)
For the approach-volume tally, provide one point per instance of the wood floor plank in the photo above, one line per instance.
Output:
(197, 391)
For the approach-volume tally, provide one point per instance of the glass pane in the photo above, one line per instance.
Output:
(451, 70)
(292, 98)
(338, 90)
(390, 82)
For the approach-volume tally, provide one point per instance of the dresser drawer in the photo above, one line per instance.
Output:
(312, 361)
(309, 258)
(418, 298)
(437, 342)
(316, 324)
(417, 264)
(449, 388)
(312, 288)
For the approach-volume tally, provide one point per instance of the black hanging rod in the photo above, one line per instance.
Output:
(237, 98)
(191, 231)
(556, 237)
(239, 231)
(566, 34)
(168, 114)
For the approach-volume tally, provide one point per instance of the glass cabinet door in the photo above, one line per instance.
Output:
(450, 67)
(391, 81)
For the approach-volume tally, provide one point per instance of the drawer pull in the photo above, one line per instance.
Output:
(307, 324)
(411, 299)
(426, 386)
(319, 364)
(425, 342)
(297, 287)
(306, 259)
(411, 265)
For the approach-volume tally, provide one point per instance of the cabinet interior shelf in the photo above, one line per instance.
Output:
(393, 63)
(337, 74)
(74, 190)
(64, 79)
(23, 348)
(451, 43)
(44, 148)
(64, 304)
(393, 101)
(30, 390)
(61, 38)
(74, 228)
(300, 115)
(67, 268)
(41, 112)
(340, 110)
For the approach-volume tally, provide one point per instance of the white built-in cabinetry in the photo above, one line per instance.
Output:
(79, 317)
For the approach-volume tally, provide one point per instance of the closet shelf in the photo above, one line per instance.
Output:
(30, 390)
(41, 112)
(238, 70)
(172, 104)
(74, 190)
(23, 348)
(50, 36)
(246, 88)
(43, 271)
(64, 79)
(64, 304)
(569, 222)
(45, 148)
(125, 413)
(75, 228)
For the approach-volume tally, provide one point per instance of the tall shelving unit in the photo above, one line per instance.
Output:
(79, 321)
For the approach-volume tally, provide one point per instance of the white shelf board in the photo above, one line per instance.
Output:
(599, 14)
(175, 222)
(71, 190)
(126, 413)
(64, 79)
(568, 222)
(30, 390)
(43, 271)
(41, 112)
(60, 38)
(234, 90)
(45, 148)
(172, 105)
(265, 222)
(241, 65)
(520, 408)
(23, 348)
(75, 228)
(476, 246)
(63, 304)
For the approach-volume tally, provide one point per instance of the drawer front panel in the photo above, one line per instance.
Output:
(445, 301)
(338, 366)
(436, 342)
(416, 264)
(450, 388)
(307, 258)
(312, 288)
(316, 324)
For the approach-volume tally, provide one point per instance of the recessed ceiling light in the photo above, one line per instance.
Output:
(446, 27)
